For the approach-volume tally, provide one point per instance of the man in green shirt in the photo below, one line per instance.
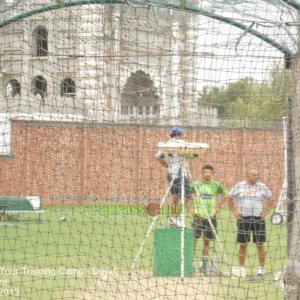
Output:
(207, 195)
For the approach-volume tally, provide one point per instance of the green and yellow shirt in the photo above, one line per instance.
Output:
(205, 197)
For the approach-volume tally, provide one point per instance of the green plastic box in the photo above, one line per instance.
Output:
(167, 252)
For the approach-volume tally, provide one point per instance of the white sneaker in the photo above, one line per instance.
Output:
(180, 221)
(176, 222)
(173, 221)
(260, 271)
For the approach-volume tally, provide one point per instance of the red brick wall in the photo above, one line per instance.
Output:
(81, 161)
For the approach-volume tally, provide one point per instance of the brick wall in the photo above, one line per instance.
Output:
(75, 162)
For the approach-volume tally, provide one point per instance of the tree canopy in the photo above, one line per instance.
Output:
(251, 99)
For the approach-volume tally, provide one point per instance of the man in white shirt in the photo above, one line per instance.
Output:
(176, 172)
(251, 201)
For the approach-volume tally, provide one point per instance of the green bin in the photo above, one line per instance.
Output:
(167, 252)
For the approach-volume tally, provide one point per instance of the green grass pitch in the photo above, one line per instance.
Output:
(59, 257)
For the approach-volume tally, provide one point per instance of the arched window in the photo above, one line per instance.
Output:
(39, 86)
(40, 35)
(139, 92)
(68, 88)
(13, 88)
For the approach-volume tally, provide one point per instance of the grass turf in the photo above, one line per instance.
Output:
(58, 257)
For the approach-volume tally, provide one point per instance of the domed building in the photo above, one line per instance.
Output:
(104, 63)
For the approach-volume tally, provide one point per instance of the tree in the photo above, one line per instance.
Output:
(250, 99)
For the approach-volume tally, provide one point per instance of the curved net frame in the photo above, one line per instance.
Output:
(87, 91)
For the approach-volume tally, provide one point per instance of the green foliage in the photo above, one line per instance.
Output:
(250, 99)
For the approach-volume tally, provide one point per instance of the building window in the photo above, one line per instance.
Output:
(40, 87)
(13, 88)
(139, 94)
(68, 88)
(40, 35)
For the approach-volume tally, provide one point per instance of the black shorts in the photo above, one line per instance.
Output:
(256, 225)
(203, 225)
(176, 186)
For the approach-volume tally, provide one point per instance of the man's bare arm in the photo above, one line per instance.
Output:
(163, 162)
(233, 207)
(268, 204)
(224, 201)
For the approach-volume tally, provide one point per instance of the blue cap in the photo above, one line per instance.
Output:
(176, 131)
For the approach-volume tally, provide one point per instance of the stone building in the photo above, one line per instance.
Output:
(103, 63)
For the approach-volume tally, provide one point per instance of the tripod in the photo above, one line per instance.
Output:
(184, 170)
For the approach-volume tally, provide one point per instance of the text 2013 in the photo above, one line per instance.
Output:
(9, 292)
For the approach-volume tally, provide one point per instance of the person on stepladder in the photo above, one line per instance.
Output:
(175, 171)
(209, 195)
(250, 204)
